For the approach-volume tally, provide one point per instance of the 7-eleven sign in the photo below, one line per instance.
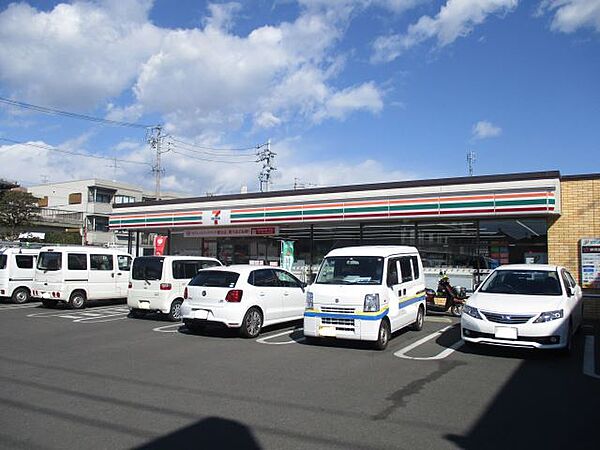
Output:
(216, 217)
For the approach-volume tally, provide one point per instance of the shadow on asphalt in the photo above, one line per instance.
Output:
(547, 403)
(213, 432)
(350, 344)
(221, 331)
(91, 304)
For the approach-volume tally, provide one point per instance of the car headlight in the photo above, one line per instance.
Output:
(471, 311)
(371, 303)
(549, 315)
(309, 300)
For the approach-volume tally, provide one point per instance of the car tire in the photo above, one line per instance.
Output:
(417, 325)
(252, 323)
(175, 311)
(47, 303)
(21, 295)
(383, 336)
(77, 300)
(456, 310)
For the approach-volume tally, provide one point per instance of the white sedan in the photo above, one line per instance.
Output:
(244, 297)
(527, 305)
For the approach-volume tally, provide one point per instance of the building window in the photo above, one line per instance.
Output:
(97, 195)
(119, 199)
(43, 202)
(97, 223)
(75, 198)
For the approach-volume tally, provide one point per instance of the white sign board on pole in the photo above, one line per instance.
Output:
(590, 263)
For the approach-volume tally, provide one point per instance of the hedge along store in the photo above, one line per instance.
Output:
(466, 225)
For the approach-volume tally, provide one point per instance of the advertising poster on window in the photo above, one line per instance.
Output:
(590, 263)
(287, 255)
(160, 244)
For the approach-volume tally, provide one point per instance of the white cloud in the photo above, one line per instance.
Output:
(366, 97)
(76, 55)
(455, 19)
(571, 15)
(485, 129)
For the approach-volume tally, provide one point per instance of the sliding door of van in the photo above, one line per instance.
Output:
(102, 280)
(409, 277)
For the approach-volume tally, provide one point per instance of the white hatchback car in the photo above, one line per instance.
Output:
(244, 297)
(526, 305)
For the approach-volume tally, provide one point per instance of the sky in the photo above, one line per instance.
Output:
(347, 91)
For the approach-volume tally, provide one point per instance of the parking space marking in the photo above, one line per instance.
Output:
(589, 357)
(264, 340)
(14, 306)
(96, 315)
(167, 328)
(438, 319)
(402, 353)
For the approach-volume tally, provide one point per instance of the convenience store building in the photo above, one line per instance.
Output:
(468, 224)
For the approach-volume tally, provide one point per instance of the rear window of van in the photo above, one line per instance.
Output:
(2, 262)
(49, 261)
(147, 268)
(215, 278)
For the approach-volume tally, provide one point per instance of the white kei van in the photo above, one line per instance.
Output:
(366, 293)
(157, 282)
(75, 275)
(17, 266)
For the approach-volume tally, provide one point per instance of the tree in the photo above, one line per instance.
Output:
(17, 209)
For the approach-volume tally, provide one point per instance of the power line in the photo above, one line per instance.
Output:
(254, 148)
(72, 115)
(197, 158)
(70, 152)
(209, 155)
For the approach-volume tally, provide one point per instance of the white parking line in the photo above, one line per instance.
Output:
(402, 353)
(438, 319)
(167, 328)
(10, 307)
(264, 340)
(95, 315)
(589, 357)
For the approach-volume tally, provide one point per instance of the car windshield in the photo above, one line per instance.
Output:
(215, 278)
(2, 262)
(147, 268)
(351, 270)
(49, 261)
(523, 282)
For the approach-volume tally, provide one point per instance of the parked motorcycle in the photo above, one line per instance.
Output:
(446, 297)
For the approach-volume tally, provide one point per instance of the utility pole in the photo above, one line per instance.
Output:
(471, 158)
(266, 156)
(155, 139)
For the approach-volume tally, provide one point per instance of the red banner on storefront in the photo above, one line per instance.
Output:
(160, 243)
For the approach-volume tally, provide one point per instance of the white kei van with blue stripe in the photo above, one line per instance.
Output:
(366, 293)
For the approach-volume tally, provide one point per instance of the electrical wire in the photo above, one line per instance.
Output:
(72, 115)
(70, 152)
(213, 160)
(254, 148)
(224, 158)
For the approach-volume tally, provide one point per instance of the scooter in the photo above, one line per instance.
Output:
(446, 298)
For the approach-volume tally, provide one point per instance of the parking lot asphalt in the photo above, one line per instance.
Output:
(98, 379)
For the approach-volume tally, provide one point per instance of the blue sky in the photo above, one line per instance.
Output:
(348, 91)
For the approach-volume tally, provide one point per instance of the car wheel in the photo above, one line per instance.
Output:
(418, 323)
(456, 309)
(20, 295)
(383, 337)
(252, 323)
(77, 300)
(47, 303)
(175, 311)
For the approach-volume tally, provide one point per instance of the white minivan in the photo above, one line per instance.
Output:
(17, 266)
(157, 282)
(366, 293)
(75, 275)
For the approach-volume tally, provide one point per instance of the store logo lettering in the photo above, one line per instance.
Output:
(216, 216)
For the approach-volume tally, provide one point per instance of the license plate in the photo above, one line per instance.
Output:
(327, 331)
(46, 295)
(144, 305)
(506, 333)
(201, 314)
